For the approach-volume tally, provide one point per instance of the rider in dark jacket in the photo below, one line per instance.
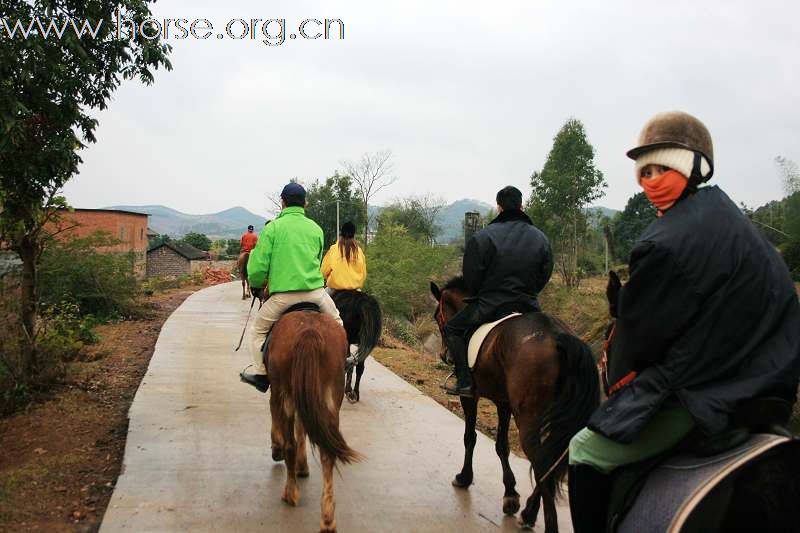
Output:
(708, 319)
(506, 265)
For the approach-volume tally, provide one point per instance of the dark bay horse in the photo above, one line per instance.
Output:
(530, 366)
(306, 370)
(361, 316)
(242, 266)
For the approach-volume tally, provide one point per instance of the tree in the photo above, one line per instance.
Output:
(234, 247)
(50, 91)
(415, 213)
(371, 174)
(568, 182)
(156, 240)
(790, 175)
(322, 197)
(639, 212)
(198, 240)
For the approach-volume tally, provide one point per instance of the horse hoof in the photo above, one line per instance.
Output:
(510, 505)
(352, 398)
(291, 496)
(330, 528)
(302, 473)
(461, 481)
(277, 455)
(525, 526)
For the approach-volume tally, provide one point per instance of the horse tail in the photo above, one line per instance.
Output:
(577, 398)
(314, 400)
(369, 331)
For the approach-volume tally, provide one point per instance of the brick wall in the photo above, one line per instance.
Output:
(164, 261)
(130, 228)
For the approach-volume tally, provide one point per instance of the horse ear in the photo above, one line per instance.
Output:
(435, 291)
(612, 292)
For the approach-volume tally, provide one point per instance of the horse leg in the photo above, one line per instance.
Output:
(276, 409)
(327, 522)
(291, 493)
(470, 407)
(526, 424)
(359, 373)
(511, 496)
(348, 387)
(549, 505)
(244, 293)
(302, 458)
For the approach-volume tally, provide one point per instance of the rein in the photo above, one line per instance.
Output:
(602, 366)
(245, 324)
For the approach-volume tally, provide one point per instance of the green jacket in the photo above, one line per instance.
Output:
(288, 254)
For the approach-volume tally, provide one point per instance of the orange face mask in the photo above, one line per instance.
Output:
(664, 190)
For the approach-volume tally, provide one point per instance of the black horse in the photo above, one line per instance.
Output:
(361, 316)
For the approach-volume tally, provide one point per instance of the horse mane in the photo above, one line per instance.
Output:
(458, 283)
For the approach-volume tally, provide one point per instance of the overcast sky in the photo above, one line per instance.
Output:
(468, 96)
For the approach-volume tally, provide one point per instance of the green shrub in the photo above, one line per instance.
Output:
(402, 330)
(400, 269)
(101, 284)
(791, 254)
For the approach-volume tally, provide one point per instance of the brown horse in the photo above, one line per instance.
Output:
(530, 366)
(306, 370)
(242, 265)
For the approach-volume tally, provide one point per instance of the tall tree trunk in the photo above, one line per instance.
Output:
(28, 254)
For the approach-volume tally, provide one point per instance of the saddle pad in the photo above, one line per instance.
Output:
(477, 338)
(678, 485)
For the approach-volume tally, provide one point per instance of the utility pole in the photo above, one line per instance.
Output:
(338, 226)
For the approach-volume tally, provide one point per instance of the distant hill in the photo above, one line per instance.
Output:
(451, 218)
(228, 224)
(605, 211)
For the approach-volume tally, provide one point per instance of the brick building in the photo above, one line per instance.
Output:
(173, 259)
(125, 226)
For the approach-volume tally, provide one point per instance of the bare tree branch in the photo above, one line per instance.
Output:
(371, 174)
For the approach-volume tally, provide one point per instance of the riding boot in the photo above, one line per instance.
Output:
(458, 351)
(589, 494)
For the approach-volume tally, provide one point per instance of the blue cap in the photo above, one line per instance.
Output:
(293, 190)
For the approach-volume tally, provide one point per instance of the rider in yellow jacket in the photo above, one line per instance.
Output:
(344, 266)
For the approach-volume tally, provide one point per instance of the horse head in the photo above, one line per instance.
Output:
(449, 300)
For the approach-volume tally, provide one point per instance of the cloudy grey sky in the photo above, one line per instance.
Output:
(468, 95)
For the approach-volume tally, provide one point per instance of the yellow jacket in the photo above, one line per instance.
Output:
(341, 275)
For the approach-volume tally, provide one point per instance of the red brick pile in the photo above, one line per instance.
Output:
(213, 276)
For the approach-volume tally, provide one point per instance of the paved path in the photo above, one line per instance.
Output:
(197, 455)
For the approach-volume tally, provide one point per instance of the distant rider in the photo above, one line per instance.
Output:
(248, 241)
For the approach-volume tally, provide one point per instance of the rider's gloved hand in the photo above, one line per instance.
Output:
(258, 293)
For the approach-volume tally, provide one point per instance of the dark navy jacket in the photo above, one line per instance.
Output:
(710, 314)
(507, 264)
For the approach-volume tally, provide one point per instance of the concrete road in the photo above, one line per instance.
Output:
(197, 456)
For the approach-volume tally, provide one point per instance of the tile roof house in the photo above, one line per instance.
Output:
(173, 259)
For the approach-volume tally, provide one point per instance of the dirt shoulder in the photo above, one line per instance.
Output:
(62, 455)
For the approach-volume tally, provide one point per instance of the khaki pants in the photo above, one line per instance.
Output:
(272, 310)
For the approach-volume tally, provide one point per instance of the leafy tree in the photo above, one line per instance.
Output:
(399, 269)
(568, 182)
(415, 213)
(198, 240)
(790, 175)
(156, 240)
(50, 92)
(234, 247)
(791, 254)
(322, 198)
(626, 227)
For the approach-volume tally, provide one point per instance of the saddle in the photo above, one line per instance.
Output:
(302, 306)
(689, 488)
(480, 334)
